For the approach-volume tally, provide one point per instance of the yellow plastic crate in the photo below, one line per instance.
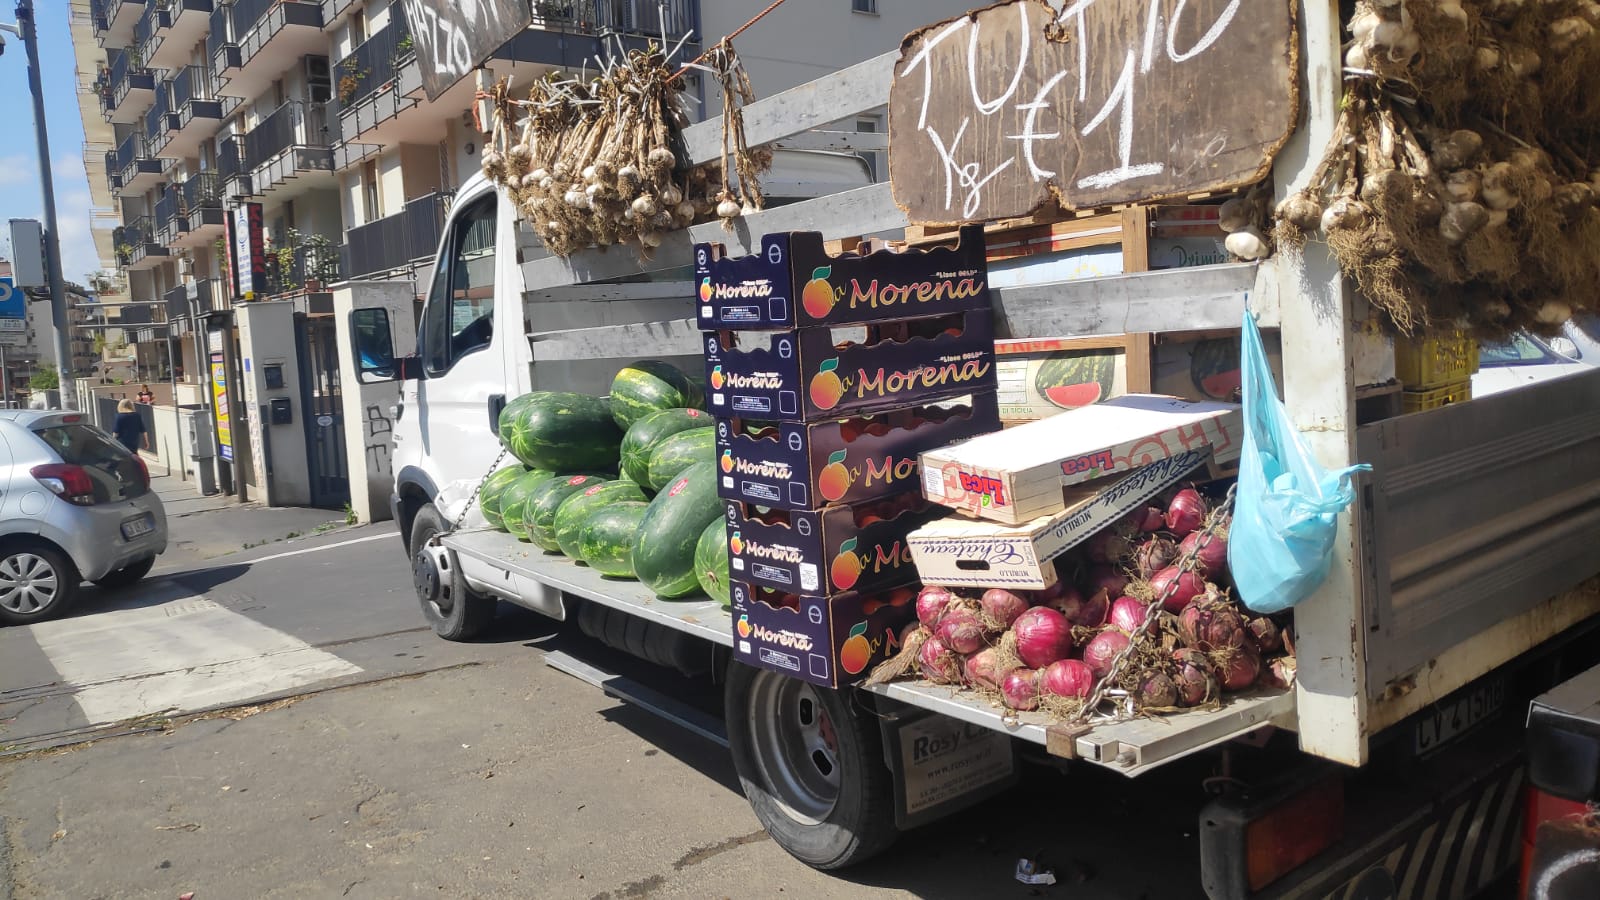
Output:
(1444, 360)
(1417, 401)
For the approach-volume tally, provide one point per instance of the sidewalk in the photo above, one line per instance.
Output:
(201, 528)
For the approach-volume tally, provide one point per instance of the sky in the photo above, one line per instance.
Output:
(19, 159)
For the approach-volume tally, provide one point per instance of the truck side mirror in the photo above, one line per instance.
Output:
(1566, 347)
(373, 346)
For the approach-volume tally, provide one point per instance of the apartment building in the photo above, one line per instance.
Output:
(313, 113)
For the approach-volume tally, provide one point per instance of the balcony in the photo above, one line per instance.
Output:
(310, 266)
(198, 202)
(113, 174)
(132, 88)
(138, 247)
(267, 37)
(374, 82)
(194, 112)
(179, 25)
(295, 140)
(166, 217)
(208, 297)
(398, 242)
(157, 120)
(231, 169)
(635, 22)
(138, 170)
(114, 20)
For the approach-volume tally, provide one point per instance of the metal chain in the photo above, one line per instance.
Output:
(1184, 564)
(456, 525)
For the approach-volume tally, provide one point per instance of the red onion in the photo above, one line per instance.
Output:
(1107, 546)
(1059, 589)
(931, 602)
(1043, 636)
(1213, 558)
(1244, 666)
(1102, 649)
(1066, 601)
(1265, 633)
(1108, 579)
(1154, 555)
(1186, 512)
(960, 631)
(1157, 691)
(1189, 586)
(1148, 520)
(1211, 627)
(1020, 689)
(1067, 678)
(937, 663)
(1279, 673)
(1003, 606)
(1092, 612)
(1196, 677)
(981, 669)
(1128, 614)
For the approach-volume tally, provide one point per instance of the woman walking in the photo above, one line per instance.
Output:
(129, 428)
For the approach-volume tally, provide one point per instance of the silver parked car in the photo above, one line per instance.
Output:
(75, 506)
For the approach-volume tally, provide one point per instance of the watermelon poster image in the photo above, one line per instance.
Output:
(1214, 369)
(1075, 378)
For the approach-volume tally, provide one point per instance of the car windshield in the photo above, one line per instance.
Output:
(115, 472)
(1520, 350)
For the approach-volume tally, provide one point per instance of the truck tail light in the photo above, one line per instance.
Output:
(1250, 840)
(70, 483)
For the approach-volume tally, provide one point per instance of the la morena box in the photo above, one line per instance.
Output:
(792, 281)
(828, 551)
(830, 641)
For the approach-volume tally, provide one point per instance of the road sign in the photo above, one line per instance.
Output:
(13, 302)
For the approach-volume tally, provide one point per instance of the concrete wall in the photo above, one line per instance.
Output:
(368, 428)
(266, 338)
(419, 166)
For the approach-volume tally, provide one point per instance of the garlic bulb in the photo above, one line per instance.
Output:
(644, 205)
(1388, 34)
(1496, 186)
(1461, 221)
(661, 158)
(1486, 59)
(1356, 58)
(1568, 33)
(521, 152)
(1524, 62)
(1497, 217)
(1451, 10)
(685, 211)
(1344, 213)
(727, 209)
(1247, 243)
(1462, 185)
(1554, 312)
(1302, 211)
(1233, 215)
(1362, 24)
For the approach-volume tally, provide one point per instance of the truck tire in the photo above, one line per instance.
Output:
(455, 613)
(811, 765)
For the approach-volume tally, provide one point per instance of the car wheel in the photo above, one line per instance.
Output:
(37, 582)
(128, 574)
(811, 766)
(455, 613)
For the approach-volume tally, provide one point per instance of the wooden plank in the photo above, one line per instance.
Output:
(831, 98)
(1170, 299)
(837, 141)
(678, 337)
(862, 211)
(1136, 239)
(1140, 363)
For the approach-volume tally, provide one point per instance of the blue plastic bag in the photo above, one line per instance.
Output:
(1286, 507)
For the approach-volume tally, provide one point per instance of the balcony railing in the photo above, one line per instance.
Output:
(229, 163)
(113, 172)
(208, 299)
(374, 64)
(246, 13)
(136, 240)
(396, 241)
(202, 190)
(166, 211)
(127, 75)
(132, 149)
(641, 17)
(294, 124)
(156, 123)
(309, 265)
(145, 29)
(100, 12)
(190, 84)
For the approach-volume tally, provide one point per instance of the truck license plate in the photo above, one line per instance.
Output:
(137, 527)
(1459, 714)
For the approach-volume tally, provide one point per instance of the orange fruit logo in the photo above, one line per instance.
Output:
(827, 389)
(727, 460)
(818, 296)
(736, 544)
(856, 652)
(744, 626)
(717, 381)
(705, 291)
(835, 480)
(846, 568)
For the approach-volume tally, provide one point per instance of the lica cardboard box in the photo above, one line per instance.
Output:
(811, 375)
(827, 551)
(792, 465)
(793, 282)
(830, 641)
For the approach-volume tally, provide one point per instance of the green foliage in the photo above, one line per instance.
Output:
(45, 380)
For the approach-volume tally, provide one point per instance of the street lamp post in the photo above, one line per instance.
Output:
(26, 30)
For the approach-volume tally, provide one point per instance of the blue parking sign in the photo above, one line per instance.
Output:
(13, 302)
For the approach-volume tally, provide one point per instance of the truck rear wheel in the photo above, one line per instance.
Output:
(456, 613)
(811, 765)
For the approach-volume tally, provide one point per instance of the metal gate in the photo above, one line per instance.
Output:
(317, 349)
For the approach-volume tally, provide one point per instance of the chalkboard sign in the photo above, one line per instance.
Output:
(454, 38)
(1109, 101)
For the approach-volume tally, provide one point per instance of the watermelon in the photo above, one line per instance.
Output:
(711, 562)
(576, 509)
(1074, 378)
(514, 503)
(650, 385)
(545, 500)
(678, 452)
(645, 434)
(493, 489)
(565, 432)
(606, 539)
(664, 557)
(1214, 368)
(510, 411)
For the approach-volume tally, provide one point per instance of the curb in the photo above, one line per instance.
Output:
(6, 884)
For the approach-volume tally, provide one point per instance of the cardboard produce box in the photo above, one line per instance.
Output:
(957, 551)
(805, 376)
(792, 282)
(827, 551)
(831, 641)
(1017, 475)
(1042, 377)
(791, 465)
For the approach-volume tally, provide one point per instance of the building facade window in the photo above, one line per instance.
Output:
(864, 6)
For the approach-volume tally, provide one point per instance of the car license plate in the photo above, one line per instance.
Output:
(1459, 714)
(137, 527)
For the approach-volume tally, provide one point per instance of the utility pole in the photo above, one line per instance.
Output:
(52, 236)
